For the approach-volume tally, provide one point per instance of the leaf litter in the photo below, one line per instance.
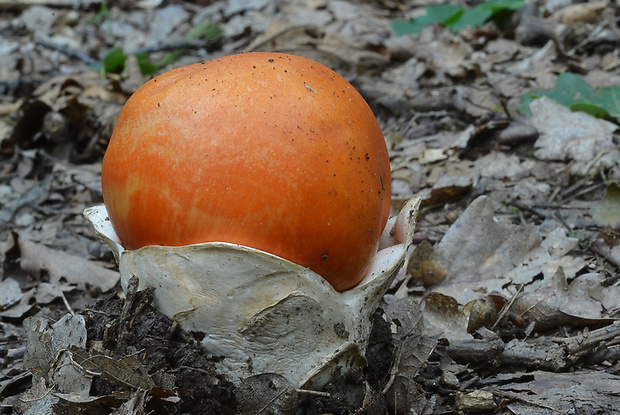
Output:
(509, 300)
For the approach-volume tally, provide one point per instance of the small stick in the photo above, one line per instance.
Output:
(317, 393)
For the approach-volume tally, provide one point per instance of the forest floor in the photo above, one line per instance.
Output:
(509, 300)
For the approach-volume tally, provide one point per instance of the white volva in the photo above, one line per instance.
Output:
(262, 313)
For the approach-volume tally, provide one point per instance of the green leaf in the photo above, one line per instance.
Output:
(171, 57)
(592, 109)
(499, 5)
(442, 13)
(103, 14)
(610, 96)
(434, 14)
(146, 66)
(114, 60)
(572, 91)
(455, 17)
(471, 17)
(208, 30)
(404, 27)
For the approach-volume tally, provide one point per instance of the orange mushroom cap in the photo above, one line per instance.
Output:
(268, 150)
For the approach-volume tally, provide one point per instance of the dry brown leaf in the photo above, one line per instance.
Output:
(581, 12)
(10, 293)
(568, 135)
(476, 401)
(481, 312)
(554, 303)
(127, 370)
(23, 308)
(414, 341)
(553, 253)
(562, 393)
(444, 51)
(477, 247)
(426, 265)
(36, 258)
(443, 314)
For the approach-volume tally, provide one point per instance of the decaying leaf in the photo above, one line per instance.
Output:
(10, 293)
(479, 248)
(607, 211)
(426, 265)
(481, 312)
(36, 258)
(555, 302)
(565, 134)
(21, 309)
(266, 393)
(563, 392)
(480, 255)
(414, 341)
(443, 313)
(127, 370)
(57, 357)
(582, 12)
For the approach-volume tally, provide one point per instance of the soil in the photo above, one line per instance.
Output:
(131, 326)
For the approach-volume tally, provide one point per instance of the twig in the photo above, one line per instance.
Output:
(583, 192)
(274, 36)
(543, 353)
(66, 50)
(556, 206)
(603, 251)
(507, 307)
(562, 221)
(583, 344)
(527, 208)
(317, 393)
(64, 300)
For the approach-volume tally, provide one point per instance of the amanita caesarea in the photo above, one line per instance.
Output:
(253, 193)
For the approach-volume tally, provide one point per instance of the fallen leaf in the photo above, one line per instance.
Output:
(127, 370)
(414, 341)
(554, 302)
(61, 266)
(607, 211)
(443, 313)
(425, 265)
(562, 393)
(477, 247)
(22, 308)
(568, 135)
(270, 392)
(10, 293)
(581, 12)
(46, 292)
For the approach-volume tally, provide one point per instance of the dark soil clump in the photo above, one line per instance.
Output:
(180, 367)
(132, 327)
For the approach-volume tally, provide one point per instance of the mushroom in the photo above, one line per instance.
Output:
(253, 193)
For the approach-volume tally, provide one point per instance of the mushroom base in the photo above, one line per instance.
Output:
(261, 313)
